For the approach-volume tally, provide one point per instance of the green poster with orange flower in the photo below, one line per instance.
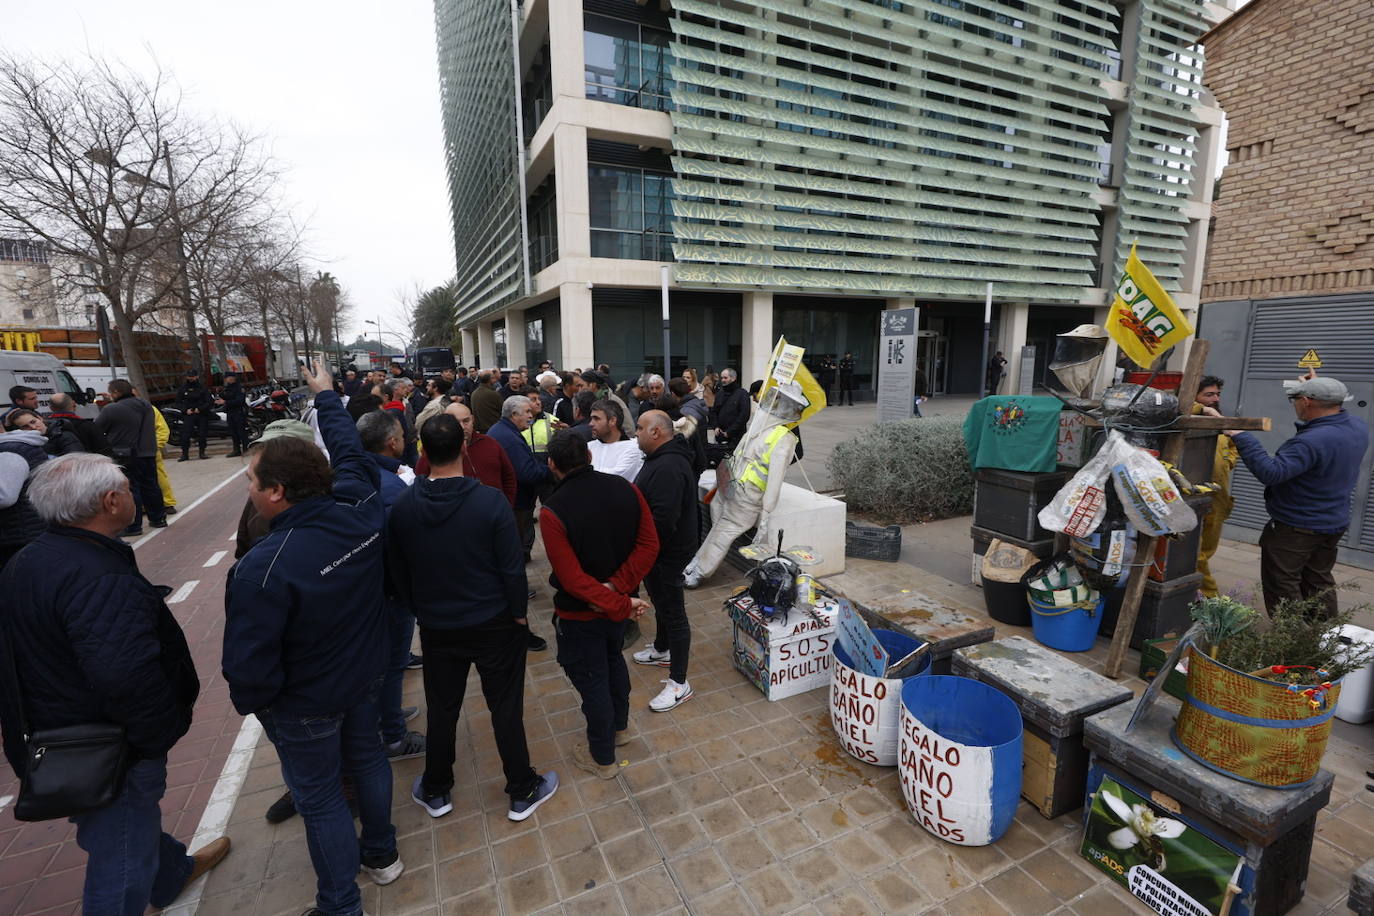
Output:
(1170, 866)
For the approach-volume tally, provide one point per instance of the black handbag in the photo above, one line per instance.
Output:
(68, 770)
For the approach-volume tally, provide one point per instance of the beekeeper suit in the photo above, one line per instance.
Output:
(756, 472)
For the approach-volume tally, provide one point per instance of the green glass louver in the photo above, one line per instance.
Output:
(908, 148)
(1162, 130)
(477, 99)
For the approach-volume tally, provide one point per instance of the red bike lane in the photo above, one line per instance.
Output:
(41, 867)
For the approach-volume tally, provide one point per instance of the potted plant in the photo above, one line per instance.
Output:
(1261, 693)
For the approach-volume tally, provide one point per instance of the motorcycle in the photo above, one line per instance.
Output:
(267, 404)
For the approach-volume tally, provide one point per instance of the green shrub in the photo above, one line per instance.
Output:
(912, 470)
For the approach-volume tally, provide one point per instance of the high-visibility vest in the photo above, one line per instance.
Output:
(538, 434)
(756, 471)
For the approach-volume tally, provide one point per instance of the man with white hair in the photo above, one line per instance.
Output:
(530, 473)
(93, 642)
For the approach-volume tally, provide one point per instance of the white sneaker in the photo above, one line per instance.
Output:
(651, 656)
(691, 576)
(671, 696)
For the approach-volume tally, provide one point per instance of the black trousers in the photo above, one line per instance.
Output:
(238, 428)
(1296, 563)
(524, 526)
(664, 585)
(497, 648)
(142, 474)
(591, 653)
(846, 388)
(199, 423)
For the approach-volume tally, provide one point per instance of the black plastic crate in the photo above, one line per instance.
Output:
(1008, 502)
(870, 543)
(1163, 609)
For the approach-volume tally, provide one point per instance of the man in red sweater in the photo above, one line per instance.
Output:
(483, 457)
(600, 538)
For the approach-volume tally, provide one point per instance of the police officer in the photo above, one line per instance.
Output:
(193, 400)
(235, 404)
(846, 379)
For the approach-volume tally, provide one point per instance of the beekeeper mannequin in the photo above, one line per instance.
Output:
(757, 469)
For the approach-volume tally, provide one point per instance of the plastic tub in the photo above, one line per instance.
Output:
(865, 711)
(1356, 705)
(960, 758)
(1069, 629)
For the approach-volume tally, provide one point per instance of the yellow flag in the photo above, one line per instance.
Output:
(786, 363)
(1144, 320)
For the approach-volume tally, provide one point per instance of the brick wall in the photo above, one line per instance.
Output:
(1296, 211)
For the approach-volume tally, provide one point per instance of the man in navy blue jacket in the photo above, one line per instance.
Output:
(476, 619)
(530, 472)
(305, 641)
(1307, 486)
(94, 642)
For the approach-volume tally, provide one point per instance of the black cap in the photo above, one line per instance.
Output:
(193, 373)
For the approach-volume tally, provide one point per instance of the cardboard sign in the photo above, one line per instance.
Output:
(858, 640)
(947, 785)
(782, 659)
(1157, 855)
(866, 713)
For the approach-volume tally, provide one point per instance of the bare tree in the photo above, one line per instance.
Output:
(101, 165)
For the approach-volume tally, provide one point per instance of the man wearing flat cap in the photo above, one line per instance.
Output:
(1307, 487)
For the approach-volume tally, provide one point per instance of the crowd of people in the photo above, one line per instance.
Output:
(341, 550)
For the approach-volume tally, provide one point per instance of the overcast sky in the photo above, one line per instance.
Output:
(346, 92)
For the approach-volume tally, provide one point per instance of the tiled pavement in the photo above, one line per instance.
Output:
(41, 867)
(729, 804)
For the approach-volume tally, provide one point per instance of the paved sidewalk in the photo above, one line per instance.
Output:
(729, 804)
(41, 867)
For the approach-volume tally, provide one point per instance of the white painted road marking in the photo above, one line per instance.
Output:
(181, 513)
(234, 536)
(215, 558)
(183, 592)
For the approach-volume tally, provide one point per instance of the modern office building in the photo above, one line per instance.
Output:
(800, 165)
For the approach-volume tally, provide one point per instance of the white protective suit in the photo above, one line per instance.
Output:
(757, 471)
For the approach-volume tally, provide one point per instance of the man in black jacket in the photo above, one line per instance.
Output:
(93, 642)
(235, 404)
(62, 412)
(193, 400)
(129, 428)
(732, 405)
(482, 623)
(670, 489)
(305, 641)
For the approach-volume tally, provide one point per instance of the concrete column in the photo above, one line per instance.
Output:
(486, 345)
(892, 304)
(515, 337)
(757, 335)
(567, 55)
(575, 325)
(1106, 374)
(570, 169)
(469, 337)
(1011, 337)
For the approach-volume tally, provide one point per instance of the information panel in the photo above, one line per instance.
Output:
(897, 364)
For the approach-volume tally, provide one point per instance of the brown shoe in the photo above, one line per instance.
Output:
(582, 758)
(207, 858)
(623, 737)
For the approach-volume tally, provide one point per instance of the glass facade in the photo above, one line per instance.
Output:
(627, 63)
(831, 326)
(477, 101)
(631, 215)
(629, 331)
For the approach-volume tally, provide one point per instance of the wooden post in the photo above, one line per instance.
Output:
(1146, 544)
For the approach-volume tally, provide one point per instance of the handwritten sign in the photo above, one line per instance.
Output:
(947, 785)
(866, 713)
(782, 659)
(867, 653)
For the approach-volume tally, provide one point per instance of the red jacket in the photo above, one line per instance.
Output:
(486, 460)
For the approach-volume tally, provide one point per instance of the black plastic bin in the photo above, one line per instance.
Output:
(872, 543)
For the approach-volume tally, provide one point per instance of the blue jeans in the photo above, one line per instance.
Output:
(312, 750)
(400, 628)
(130, 862)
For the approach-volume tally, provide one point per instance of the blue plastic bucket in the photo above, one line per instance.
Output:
(960, 758)
(866, 711)
(1069, 629)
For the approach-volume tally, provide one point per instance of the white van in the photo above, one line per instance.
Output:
(45, 374)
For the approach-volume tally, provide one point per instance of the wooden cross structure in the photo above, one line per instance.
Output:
(1173, 449)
